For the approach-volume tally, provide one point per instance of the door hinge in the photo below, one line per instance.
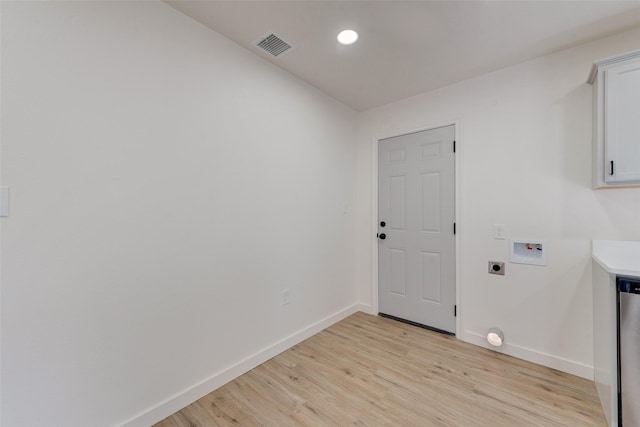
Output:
(454, 228)
(455, 311)
(611, 173)
(454, 146)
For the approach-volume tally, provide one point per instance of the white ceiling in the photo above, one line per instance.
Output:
(409, 47)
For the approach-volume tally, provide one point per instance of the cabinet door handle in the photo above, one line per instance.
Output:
(611, 168)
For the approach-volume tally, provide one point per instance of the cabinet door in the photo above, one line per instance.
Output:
(622, 123)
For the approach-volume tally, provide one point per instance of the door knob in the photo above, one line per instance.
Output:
(382, 236)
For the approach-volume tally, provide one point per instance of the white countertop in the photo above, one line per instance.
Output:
(617, 256)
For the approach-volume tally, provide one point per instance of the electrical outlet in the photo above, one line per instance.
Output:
(498, 231)
(496, 267)
(285, 296)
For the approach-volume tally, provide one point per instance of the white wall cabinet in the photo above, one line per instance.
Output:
(616, 120)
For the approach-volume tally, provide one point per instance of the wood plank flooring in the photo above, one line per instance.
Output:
(371, 371)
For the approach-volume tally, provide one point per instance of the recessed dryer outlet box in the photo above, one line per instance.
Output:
(528, 251)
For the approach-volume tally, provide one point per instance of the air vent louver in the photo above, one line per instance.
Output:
(273, 45)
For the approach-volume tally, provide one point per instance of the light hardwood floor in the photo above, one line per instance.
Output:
(371, 371)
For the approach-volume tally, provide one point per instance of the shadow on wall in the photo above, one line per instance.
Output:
(575, 109)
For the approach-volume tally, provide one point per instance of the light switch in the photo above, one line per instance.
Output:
(498, 231)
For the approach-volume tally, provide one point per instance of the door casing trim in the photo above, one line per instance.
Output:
(374, 209)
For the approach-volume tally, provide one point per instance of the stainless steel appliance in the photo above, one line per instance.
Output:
(628, 351)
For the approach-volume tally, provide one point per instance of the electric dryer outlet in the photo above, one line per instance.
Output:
(496, 267)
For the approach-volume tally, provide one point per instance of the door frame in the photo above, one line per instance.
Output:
(375, 143)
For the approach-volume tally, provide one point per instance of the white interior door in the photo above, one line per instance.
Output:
(416, 214)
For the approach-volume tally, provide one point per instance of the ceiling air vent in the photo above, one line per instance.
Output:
(273, 45)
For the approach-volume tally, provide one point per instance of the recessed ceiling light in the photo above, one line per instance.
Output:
(347, 37)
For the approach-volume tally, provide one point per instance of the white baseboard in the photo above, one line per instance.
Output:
(554, 362)
(195, 392)
(366, 308)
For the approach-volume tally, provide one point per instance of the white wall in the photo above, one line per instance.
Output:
(524, 160)
(166, 185)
